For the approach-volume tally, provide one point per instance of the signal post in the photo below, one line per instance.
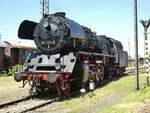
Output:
(146, 24)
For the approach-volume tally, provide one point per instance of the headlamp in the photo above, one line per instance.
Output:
(46, 24)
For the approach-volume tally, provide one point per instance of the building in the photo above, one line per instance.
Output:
(18, 51)
(2, 56)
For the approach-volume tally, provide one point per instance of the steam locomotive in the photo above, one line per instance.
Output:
(69, 56)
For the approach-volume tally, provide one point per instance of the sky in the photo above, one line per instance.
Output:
(113, 18)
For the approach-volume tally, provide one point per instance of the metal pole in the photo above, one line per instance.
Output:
(136, 45)
(129, 47)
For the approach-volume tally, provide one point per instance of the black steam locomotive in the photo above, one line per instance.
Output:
(69, 56)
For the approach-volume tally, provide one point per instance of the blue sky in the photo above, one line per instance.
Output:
(113, 18)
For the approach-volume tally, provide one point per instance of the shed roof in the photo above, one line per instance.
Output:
(22, 44)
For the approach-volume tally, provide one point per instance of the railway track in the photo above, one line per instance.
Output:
(29, 104)
(40, 105)
(25, 105)
(132, 71)
(16, 101)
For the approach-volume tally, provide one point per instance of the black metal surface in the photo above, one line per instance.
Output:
(76, 30)
(26, 30)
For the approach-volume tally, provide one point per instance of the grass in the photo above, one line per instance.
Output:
(126, 104)
(7, 81)
(9, 88)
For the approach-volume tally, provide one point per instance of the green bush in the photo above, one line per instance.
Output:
(12, 70)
